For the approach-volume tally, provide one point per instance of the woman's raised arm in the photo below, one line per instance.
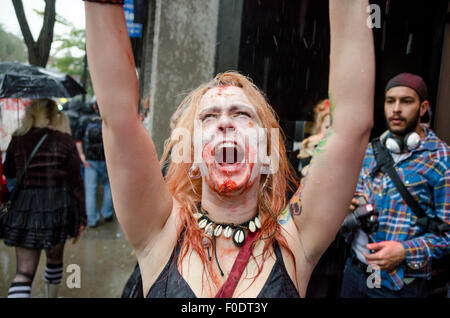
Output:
(332, 178)
(141, 199)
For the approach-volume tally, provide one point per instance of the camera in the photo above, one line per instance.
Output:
(364, 217)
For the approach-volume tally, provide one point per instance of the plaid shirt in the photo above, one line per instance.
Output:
(426, 174)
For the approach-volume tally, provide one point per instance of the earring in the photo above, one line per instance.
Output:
(266, 168)
(194, 172)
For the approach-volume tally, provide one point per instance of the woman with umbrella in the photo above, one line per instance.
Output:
(49, 206)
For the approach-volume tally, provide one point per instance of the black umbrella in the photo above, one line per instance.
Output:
(18, 80)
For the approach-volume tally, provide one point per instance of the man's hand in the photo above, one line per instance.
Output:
(79, 145)
(84, 161)
(356, 202)
(387, 256)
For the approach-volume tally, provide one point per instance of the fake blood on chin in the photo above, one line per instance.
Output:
(227, 186)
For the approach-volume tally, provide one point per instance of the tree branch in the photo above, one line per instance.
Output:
(38, 51)
(23, 23)
(46, 35)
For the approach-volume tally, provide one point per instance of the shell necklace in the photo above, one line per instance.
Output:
(236, 231)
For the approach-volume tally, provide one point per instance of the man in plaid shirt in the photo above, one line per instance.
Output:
(400, 252)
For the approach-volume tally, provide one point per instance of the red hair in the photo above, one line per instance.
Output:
(271, 200)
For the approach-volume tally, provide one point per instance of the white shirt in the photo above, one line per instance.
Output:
(361, 239)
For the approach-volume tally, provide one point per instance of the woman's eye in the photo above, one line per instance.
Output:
(208, 116)
(240, 114)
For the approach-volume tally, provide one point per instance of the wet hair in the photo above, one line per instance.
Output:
(43, 113)
(271, 200)
(63, 124)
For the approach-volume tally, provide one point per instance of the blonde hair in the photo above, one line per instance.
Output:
(271, 198)
(43, 113)
(318, 109)
(308, 145)
(321, 117)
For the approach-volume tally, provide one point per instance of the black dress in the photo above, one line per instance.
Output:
(170, 283)
(50, 204)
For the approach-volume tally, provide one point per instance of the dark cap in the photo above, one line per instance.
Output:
(412, 81)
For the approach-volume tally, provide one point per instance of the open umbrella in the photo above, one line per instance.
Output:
(28, 81)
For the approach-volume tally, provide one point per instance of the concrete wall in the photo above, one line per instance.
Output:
(179, 55)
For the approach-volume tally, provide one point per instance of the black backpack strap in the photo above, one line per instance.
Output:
(386, 164)
(382, 157)
(19, 181)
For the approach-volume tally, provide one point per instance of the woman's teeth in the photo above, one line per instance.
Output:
(228, 153)
(227, 145)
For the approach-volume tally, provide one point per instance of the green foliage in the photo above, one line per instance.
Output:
(69, 64)
(74, 39)
(69, 50)
(12, 47)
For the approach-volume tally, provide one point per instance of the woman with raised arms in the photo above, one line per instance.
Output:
(221, 226)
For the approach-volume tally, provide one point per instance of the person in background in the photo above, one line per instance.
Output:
(320, 129)
(401, 252)
(49, 206)
(90, 147)
(73, 109)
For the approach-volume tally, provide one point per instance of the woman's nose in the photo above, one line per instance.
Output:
(225, 123)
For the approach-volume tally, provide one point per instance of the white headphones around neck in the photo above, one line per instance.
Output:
(397, 145)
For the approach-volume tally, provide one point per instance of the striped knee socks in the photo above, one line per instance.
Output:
(53, 273)
(20, 290)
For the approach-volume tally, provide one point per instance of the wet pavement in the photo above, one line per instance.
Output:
(105, 261)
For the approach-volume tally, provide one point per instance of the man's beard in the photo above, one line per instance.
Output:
(410, 126)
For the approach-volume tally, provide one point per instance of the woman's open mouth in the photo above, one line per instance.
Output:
(229, 156)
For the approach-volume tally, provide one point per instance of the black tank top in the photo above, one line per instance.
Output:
(170, 283)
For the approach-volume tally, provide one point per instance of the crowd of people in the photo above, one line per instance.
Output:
(220, 224)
